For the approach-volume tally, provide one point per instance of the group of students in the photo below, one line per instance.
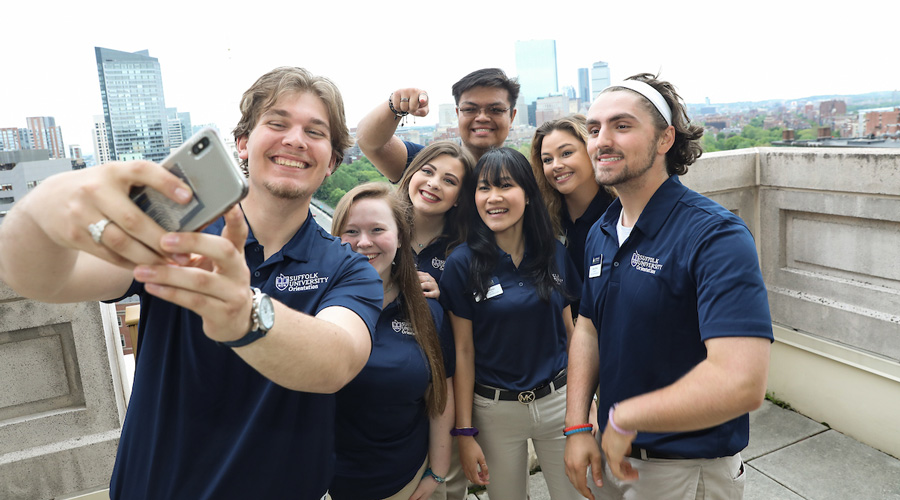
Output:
(455, 315)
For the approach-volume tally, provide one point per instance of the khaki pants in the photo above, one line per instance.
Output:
(505, 427)
(686, 479)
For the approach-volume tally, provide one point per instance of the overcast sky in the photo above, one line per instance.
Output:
(722, 50)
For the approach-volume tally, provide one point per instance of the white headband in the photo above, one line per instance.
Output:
(650, 93)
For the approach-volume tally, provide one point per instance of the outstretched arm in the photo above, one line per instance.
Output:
(301, 352)
(48, 251)
(375, 132)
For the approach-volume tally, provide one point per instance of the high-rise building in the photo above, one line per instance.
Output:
(536, 69)
(134, 108)
(101, 141)
(179, 127)
(9, 139)
(584, 85)
(75, 152)
(599, 78)
(447, 115)
(47, 135)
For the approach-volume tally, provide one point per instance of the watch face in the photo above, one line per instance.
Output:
(266, 313)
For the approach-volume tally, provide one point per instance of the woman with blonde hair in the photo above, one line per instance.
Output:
(394, 419)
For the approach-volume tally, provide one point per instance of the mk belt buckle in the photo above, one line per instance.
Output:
(526, 397)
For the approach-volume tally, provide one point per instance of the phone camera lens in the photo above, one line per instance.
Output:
(200, 146)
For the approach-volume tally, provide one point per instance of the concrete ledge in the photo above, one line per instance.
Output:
(854, 392)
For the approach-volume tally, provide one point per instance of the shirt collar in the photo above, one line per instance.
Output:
(654, 214)
(299, 245)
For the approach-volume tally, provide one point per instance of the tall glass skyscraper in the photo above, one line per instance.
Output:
(133, 105)
(536, 68)
(599, 78)
(584, 85)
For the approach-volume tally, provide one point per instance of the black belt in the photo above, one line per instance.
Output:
(523, 397)
(645, 454)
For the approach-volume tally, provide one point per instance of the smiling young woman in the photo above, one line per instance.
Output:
(508, 291)
(565, 175)
(394, 419)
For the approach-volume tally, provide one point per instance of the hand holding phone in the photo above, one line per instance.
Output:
(204, 164)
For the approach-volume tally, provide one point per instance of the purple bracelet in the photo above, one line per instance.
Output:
(464, 431)
(615, 427)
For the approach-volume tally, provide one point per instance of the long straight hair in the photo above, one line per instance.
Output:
(413, 305)
(540, 241)
(454, 219)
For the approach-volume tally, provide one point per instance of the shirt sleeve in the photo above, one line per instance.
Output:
(731, 296)
(455, 295)
(357, 288)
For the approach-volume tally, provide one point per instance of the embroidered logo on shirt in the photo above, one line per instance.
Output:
(645, 264)
(438, 263)
(402, 327)
(300, 282)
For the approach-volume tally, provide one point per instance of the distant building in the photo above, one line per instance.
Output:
(599, 78)
(584, 85)
(21, 171)
(179, 125)
(551, 108)
(832, 108)
(536, 69)
(75, 152)
(9, 139)
(134, 108)
(880, 123)
(101, 141)
(47, 135)
(447, 115)
(569, 91)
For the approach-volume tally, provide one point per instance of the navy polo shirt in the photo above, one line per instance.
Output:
(689, 272)
(382, 426)
(432, 259)
(202, 423)
(412, 149)
(520, 340)
(576, 231)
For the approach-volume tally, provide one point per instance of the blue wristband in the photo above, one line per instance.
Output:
(429, 472)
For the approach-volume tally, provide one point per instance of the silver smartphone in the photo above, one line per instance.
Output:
(204, 164)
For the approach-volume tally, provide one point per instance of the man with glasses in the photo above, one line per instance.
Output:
(485, 105)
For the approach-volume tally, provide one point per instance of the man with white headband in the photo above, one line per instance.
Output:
(675, 325)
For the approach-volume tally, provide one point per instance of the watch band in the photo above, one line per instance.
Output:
(255, 332)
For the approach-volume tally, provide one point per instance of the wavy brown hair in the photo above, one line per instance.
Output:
(413, 305)
(686, 148)
(264, 93)
(455, 219)
(576, 126)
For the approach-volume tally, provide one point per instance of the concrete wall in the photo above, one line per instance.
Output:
(827, 225)
(62, 403)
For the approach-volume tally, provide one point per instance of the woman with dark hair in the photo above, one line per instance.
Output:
(394, 419)
(438, 185)
(563, 170)
(508, 291)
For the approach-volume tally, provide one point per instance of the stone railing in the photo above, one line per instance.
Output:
(62, 402)
(827, 226)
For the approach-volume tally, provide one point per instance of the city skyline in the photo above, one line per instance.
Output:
(724, 57)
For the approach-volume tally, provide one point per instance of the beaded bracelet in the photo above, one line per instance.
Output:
(615, 427)
(397, 114)
(577, 428)
(429, 472)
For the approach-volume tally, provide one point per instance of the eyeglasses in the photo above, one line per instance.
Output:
(472, 111)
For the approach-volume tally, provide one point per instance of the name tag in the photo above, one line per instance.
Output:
(494, 291)
(596, 267)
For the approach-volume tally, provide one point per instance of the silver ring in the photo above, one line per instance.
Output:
(404, 99)
(96, 229)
